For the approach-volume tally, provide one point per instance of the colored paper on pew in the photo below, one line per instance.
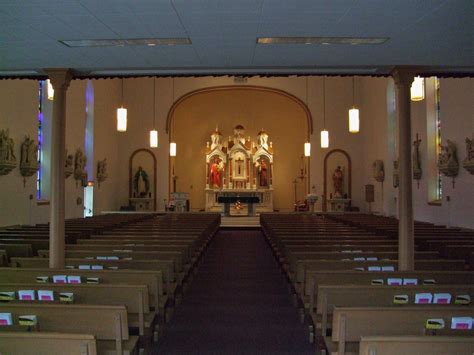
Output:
(371, 258)
(113, 268)
(73, 279)
(69, 266)
(442, 298)
(127, 258)
(429, 282)
(461, 323)
(394, 282)
(410, 282)
(26, 295)
(388, 268)
(423, 298)
(462, 299)
(359, 269)
(123, 250)
(345, 259)
(42, 279)
(28, 320)
(359, 259)
(400, 299)
(112, 258)
(6, 319)
(101, 258)
(59, 279)
(45, 295)
(435, 323)
(66, 297)
(97, 267)
(377, 282)
(84, 267)
(92, 280)
(7, 296)
(374, 268)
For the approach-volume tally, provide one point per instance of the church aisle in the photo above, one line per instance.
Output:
(238, 303)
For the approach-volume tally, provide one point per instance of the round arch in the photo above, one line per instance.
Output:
(130, 173)
(349, 174)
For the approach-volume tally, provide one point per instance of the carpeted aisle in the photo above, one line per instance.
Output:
(237, 304)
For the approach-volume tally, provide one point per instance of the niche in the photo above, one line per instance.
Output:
(337, 159)
(142, 180)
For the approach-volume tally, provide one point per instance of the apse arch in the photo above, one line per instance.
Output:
(195, 115)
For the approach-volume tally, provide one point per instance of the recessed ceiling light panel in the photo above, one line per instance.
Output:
(322, 40)
(125, 42)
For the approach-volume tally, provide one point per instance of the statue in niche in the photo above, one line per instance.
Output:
(262, 168)
(217, 167)
(416, 159)
(448, 161)
(262, 139)
(68, 167)
(378, 170)
(469, 161)
(338, 182)
(80, 173)
(396, 176)
(29, 157)
(101, 170)
(141, 183)
(7, 154)
(239, 131)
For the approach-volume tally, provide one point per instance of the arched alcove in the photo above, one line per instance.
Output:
(339, 157)
(145, 159)
(196, 115)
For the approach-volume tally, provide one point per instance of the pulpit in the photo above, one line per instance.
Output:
(339, 204)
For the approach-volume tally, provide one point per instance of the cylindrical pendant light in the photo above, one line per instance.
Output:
(324, 132)
(122, 116)
(154, 132)
(354, 121)
(172, 149)
(417, 90)
(307, 149)
(49, 90)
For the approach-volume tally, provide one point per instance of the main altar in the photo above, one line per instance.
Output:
(240, 169)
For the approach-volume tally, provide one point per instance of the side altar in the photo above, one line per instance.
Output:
(239, 168)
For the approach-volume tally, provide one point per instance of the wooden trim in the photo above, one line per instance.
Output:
(42, 203)
(436, 203)
(130, 185)
(239, 87)
(349, 175)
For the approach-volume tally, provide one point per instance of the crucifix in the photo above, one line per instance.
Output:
(239, 166)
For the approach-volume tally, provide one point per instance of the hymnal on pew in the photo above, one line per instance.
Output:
(92, 280)
(26, 295)
(377, 282)
(28, 320)
(442, 298)
(59, 279)
(7, 296)
(462, 299)
(435, 323)
(84, 267)
(410, 282)
(423, 298)
(66, 297)
(42, 279)
(73, 279)
(400, 299)
(461, 323)
(394, 282)
(6, 319)
(45, 295)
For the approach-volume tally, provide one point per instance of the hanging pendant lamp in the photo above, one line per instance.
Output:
(307, 145)
(173, 144)
(122, 116)
(324, 132)
(417, 90)
(354, 121)
(154, 132)
(49, 90)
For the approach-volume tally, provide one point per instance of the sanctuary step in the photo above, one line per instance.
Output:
(240, 222)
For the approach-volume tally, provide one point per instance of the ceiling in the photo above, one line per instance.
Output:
(435, 34)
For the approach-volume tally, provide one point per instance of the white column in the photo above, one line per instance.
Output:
(406, 240)
(60, 79)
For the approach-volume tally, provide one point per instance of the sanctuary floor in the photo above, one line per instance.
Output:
(238, 303)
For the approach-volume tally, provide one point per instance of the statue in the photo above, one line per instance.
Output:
(80, 173)
(261, 166)
(396, 176)
(7, 153)
(101, 170)
(216, 139)
(469, 161)
(416, 159)
(448, 161)
(217, 167)
(29, 157)
(262, 139)
(239, 131)
(378, 171)
(141, 184)
(338, 181)
(68, 168)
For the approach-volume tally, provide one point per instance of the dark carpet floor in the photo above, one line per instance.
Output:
(238, 303)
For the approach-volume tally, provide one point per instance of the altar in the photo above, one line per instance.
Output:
(239, 168)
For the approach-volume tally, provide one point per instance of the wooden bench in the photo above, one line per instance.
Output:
(109, 324)
(350, 324)
(416, 345)
(46, 343)
(17, 250)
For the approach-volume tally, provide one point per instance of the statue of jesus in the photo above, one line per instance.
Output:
(215, 173)
(338, 181)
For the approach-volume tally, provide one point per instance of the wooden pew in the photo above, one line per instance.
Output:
(416, 345)
(46, 343)
(350, 324)
(17, 250)
(3, 258)
(109, 324)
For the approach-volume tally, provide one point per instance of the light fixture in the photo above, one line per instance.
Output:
(49, 90)
(126, 42)
(323, 40)
(154, 132)
(324, 132)
(307, 149)
(417, 90)
(122, 116)
(353, 113)
(172, 149)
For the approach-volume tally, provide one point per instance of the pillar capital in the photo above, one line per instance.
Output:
(404, 75)
(59, 77)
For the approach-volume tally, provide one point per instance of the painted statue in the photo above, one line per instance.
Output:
(262, 170)
(262, 139)
(7, 153)
(239, 132)
(378, 170)
(80, 161)
(338, 182)
(416, 159)
(102, 170)
(216, 139)
(448, 160)
(396, 176)
(28, 157)
(141, 183)
(469, 161)
(217, 167)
